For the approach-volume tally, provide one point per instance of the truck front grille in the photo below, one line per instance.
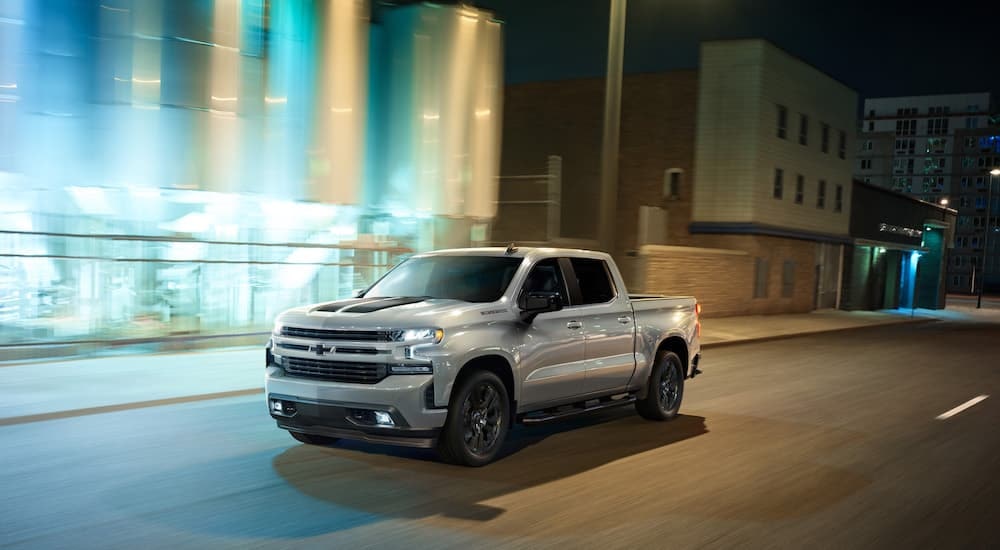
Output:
(336, 371)
(352, 335)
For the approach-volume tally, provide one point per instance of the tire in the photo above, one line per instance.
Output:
(478, 420)
(665, 388)
(310, 439)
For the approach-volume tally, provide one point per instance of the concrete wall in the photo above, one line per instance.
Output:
(775, 251)
(719, 279)
(722, 277)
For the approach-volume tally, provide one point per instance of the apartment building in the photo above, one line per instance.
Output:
(939, 149)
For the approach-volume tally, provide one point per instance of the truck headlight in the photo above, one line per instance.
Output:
(434, 335)
(276, 330)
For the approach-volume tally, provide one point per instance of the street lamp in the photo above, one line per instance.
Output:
(986, 240)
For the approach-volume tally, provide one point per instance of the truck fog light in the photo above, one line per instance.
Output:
(276, 405)
(410, 369)
(382, 418)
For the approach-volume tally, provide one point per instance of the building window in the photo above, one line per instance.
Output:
(866, 164)
(824, 137)
(782, 121)
(871, 126)
(971, 123)
(871, 113)
(906, 127)
(842, 147)
(936, 145)
(803, 129)
(788, 279)
(937, 126)
(800, 187)
(672, 183)
(779, 176)
(760, 278)
(838, 198)
(821, 195)
(869, 145)
(970, 142)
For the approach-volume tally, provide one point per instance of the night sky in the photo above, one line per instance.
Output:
(878, 48)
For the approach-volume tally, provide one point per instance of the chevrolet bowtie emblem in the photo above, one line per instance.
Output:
(320, 349)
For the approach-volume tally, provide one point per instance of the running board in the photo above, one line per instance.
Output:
(565, 411)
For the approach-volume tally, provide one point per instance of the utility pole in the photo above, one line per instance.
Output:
(612, 120)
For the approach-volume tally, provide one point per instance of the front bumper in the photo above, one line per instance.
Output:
(322, 407)
(346, 421)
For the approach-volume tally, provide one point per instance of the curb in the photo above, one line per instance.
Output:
(72, 413)
(754, 340)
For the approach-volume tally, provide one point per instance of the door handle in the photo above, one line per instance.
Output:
(624, 319)
(574, 325)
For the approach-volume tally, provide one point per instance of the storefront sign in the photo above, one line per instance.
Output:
(906, 231)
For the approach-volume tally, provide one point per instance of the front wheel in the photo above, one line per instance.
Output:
(666, 388)
(478, 419)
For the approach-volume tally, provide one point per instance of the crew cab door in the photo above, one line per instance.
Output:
(608, 326)
(552, 354)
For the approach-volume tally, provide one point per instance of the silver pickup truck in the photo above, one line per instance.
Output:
(449, 348)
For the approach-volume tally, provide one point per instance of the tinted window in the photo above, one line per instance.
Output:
(467, 278)
(547, 277)
(592, 277)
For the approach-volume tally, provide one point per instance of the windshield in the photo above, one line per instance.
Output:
(467, 278)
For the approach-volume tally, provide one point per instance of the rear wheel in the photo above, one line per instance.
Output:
(666, 388)
(478, 419)
(311, 439)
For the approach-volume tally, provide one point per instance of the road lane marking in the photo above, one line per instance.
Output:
(970, 403)
(11, 420)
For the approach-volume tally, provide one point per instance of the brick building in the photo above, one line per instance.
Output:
(733, 182)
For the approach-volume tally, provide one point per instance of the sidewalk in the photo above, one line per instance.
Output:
(737, 330)
(54, 389)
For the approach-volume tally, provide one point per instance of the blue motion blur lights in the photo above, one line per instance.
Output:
(179, 168)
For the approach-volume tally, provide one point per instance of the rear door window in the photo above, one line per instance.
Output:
(594, 281)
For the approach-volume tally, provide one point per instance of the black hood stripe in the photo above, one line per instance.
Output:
(340, 304)
(379, 304)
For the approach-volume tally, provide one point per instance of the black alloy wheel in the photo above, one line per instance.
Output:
(478, 420)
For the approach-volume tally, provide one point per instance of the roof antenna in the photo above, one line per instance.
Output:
(510, 249)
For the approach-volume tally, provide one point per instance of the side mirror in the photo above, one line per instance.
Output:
(533, 303)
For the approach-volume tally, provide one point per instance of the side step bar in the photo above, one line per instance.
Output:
(557, 413)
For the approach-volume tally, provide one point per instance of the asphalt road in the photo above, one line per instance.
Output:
(810, 442)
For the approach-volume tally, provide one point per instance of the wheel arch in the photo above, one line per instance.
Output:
(497, 364)
(676, 344)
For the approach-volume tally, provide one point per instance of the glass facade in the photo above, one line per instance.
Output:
(192, 168)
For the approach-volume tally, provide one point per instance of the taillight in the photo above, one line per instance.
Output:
(697, 320)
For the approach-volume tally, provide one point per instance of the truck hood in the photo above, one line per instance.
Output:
(387, 313)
